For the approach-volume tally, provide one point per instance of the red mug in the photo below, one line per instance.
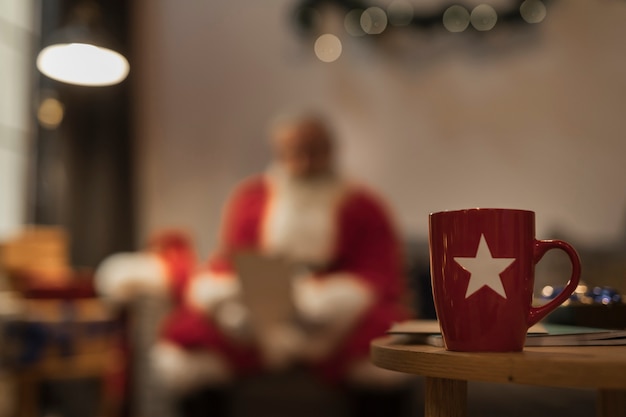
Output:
(482, 269)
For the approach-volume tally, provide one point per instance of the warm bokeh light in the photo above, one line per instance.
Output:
(547, 291)
(50, 113)
(374, 20)
(352, 22)
(83, 64)
(533, 11)
(328, 48)
(400, 12)
(456, 18)
(483, 17)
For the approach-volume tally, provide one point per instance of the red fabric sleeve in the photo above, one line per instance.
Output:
(370, 250)
(176, 250)
(369, 247)
(241, 222)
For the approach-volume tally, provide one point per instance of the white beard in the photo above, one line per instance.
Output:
(301, 218)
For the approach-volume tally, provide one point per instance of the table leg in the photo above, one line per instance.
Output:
(611, 403)
(445, 397)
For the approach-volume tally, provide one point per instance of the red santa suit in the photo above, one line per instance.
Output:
(340, 229)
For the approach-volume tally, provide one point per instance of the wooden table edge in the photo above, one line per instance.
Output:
(599, 367)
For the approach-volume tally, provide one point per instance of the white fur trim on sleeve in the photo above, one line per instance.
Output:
(206, 290)
(123, 276)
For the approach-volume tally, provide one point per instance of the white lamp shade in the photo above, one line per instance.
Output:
(82, 64)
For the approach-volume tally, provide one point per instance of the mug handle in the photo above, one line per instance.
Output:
(541, 247)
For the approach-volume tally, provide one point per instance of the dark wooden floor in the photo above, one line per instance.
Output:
(299, 395)
(289, 396)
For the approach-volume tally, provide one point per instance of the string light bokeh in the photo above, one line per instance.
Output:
(362, 19)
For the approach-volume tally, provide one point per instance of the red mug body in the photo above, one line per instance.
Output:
(482, 269)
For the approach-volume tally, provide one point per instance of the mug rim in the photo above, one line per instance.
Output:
(482, 209)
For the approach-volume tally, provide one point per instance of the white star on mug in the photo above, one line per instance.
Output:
(484, 269)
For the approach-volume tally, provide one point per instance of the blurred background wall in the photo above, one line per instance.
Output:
(518, 117)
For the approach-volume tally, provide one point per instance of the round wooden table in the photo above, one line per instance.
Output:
(447, 373)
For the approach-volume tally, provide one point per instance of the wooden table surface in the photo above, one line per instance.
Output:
(600, 367)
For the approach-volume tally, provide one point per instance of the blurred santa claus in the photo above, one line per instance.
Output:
(349, 289)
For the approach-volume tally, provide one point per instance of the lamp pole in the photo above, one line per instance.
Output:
(82, 175)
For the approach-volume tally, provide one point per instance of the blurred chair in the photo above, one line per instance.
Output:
(61, 340)
(58, 330)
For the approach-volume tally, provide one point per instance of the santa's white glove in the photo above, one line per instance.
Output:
(219, 296)
(333, 299)
(330, 306)
(182, 371)
(233, 318)
(208, 290)
(124, 276)
(281, 345)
